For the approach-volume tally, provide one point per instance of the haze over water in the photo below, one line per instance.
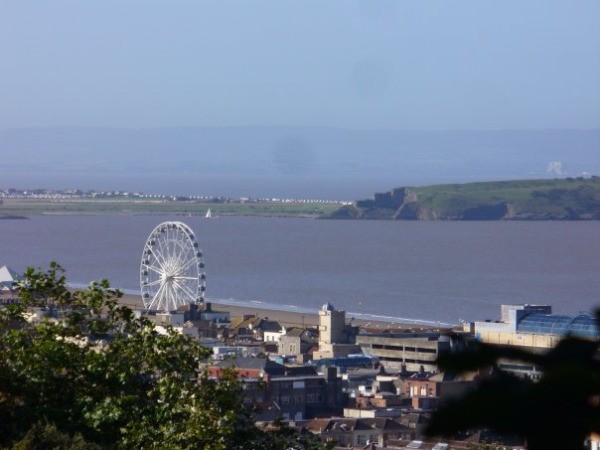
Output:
(434, 271)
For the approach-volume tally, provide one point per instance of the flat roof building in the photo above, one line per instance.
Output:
(406, 351)
(535, 328)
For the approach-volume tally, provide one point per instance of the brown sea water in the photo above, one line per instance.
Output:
(433, 271)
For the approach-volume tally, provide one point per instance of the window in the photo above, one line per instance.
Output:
(285, 399)
(426, 350)
(310, 398)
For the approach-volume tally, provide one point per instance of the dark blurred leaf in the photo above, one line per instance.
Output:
(558, 412)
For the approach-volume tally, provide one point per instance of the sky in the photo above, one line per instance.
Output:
(362, 64)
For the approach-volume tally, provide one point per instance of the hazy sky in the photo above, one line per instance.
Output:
(354, 64)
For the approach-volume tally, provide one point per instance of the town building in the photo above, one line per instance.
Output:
(209, 322)
(298, 342)
(336, 338)
(252, 329)
(197, 320)
(534, 328)
(204, 311)
(349, 432)
(299, 392)
(409, 351)
(429, 392)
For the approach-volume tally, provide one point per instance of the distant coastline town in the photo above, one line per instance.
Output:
(19, 203)
(66, 194)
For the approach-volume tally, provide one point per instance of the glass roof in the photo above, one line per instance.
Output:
(583, 326)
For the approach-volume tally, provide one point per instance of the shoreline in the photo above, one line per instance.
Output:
(296, 318)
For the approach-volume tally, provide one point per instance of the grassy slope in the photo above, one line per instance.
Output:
(535, 199)
(88, 206)
(533, 196)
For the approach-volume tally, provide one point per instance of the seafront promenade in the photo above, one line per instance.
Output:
(285, 318)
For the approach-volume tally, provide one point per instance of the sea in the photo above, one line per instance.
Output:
(405, 272)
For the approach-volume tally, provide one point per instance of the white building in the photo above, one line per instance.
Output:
(8, 278)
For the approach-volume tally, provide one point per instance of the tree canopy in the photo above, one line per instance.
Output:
(77, 364)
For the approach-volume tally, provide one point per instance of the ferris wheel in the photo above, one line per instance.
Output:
(172, 269)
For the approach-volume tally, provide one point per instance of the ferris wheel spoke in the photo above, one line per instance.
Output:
(183, 241)
(164, 298)
(153, 283)
(173, 244)
(160, 293)
(186, 289)
(160, 258)
(176, 248)
(156, 297)
(162, 245)
(186, 265)
(181, 284)
(184, 278)
(176, 299)
(159, 270)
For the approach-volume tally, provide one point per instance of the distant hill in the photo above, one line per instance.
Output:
(557, 199)
(419, 157)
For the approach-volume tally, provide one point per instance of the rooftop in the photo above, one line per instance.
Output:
(582, 326)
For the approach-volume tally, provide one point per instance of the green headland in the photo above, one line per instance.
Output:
(551, 199)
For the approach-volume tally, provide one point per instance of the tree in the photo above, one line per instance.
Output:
(43, 437)
(78, 364)
(558, 411)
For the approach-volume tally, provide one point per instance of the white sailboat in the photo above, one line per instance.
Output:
(208, 214)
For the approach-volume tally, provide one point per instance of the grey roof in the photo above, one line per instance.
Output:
(414, 418)
(295, 331)
(257, 323)
(385, 423)
(242, 362)
(270, 325)
(326, 425)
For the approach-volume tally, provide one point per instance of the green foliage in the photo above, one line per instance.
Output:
(94, 373)
(44, 437)
(558, 411)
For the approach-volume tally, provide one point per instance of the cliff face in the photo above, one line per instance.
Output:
(568, 199)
